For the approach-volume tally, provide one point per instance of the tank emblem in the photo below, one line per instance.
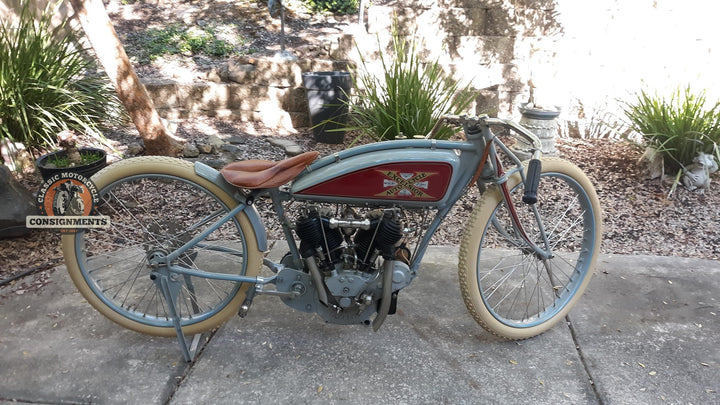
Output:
(405, 184)
(417, 181)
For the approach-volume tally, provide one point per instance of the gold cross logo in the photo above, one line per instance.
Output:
(405, 184)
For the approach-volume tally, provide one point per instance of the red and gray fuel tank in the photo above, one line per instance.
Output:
(384, 173)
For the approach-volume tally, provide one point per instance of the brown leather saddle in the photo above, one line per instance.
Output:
(257, 173)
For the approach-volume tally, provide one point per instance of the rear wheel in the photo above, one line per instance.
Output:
(508, 288)
(155, 205)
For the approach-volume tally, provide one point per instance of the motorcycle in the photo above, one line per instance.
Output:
(184, 249)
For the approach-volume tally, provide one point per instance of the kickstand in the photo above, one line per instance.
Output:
(170, 292)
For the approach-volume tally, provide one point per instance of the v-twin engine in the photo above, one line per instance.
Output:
(345, 258)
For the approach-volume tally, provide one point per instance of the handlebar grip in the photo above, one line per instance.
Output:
(532, 180)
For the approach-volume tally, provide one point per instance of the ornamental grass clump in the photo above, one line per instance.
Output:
(46, 81)
(678, 128)
(408, 98)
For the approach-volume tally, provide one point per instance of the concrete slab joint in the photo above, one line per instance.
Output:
(643, 333)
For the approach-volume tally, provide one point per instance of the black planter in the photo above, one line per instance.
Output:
(86, 170)
(327, 103)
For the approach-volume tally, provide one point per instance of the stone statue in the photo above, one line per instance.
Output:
(697, 174)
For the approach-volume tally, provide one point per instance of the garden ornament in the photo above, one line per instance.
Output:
(697, 174)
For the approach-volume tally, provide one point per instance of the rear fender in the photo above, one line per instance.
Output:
(214, 176)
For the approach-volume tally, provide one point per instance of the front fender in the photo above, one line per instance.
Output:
(214, 176)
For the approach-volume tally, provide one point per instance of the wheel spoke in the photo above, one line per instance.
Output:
(519, 287)
(154, 215)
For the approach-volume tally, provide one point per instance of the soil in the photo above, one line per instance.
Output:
(640, 215)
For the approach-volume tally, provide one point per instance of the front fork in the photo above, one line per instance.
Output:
(478, 130)
(531, 181)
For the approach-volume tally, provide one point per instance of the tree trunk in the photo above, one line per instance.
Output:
(101, 34)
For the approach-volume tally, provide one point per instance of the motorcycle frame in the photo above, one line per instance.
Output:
(481, 146)
(473, 154)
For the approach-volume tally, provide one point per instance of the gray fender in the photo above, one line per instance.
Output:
(214, 176)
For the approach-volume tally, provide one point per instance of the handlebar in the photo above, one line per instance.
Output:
(485, 121)
(531, 178)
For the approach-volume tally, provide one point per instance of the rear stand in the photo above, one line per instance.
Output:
(170, 290)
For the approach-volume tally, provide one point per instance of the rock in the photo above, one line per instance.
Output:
(215, 142)
(134, 149)
(285, 56)
(215, 163)
(205, 148)
(654, 163)
(214, 76)
(236, 140)
(15, 156)
(240, 73)
(291, 148)
(231, 148)
(218, 75)
(188, 14)
(190, 151)
(15, 204)
(281, 142)
(171, 125)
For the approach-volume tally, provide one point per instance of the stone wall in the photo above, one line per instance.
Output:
(582, 56)
(586, 57)
(264, 90)
(487, 42)
(9, 9)
(490, 43)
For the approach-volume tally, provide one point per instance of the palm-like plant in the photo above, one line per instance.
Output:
(409, 98)
(45, 81)
(677, 128)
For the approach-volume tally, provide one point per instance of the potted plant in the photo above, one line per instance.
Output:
(681, 134)
(48, 85)
(85, 161)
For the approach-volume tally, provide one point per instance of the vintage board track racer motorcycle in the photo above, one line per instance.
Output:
(185, 246)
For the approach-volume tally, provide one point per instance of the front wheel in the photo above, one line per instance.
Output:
(510, 289)
(155, 205)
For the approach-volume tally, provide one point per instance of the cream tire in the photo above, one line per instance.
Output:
(479, 294)
(182, 172)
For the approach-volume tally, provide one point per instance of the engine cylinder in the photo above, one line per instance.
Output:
(387, 233)
(310, 229)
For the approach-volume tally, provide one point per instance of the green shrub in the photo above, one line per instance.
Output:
(340, 7)
(64, 161)
(678, 128)
(45, 85)
(409, 98)
(176, 39)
